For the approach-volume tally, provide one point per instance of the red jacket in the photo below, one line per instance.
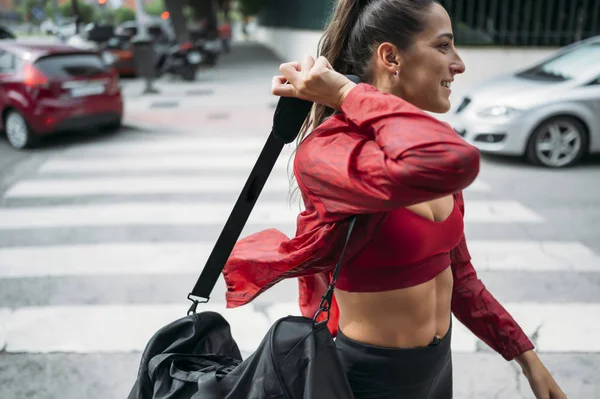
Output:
(378, 154)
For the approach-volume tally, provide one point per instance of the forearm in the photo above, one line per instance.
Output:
(486, 318)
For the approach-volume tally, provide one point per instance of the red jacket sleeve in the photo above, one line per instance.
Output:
(479, 311)
(388, 154)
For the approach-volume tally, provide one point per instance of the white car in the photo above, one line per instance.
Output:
(550, 113)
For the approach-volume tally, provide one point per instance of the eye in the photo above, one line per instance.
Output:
(445, 46)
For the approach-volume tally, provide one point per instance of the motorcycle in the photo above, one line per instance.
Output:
(209, 44)
(182, 60)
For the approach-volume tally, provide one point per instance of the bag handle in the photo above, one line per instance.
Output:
(289, 117)
(325, 304)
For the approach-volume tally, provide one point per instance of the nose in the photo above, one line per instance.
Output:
(457, 66)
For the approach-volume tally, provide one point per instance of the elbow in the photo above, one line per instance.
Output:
(464, 166)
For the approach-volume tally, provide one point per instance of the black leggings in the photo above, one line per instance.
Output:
(397, 373)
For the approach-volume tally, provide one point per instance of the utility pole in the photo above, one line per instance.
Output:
(177, 18)
(57, 17)
(143, 50)
(75, 8)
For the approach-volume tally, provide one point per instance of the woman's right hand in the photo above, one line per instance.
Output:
(313, 80)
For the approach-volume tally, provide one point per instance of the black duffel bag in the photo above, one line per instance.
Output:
(196, 356)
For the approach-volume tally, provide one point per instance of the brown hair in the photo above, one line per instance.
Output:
(355, 29)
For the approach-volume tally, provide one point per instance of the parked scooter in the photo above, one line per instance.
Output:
(209, 44)
(182, 60)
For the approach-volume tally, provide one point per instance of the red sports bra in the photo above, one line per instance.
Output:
(408, 249)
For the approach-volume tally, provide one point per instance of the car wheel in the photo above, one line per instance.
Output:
(113, 126)
(189, 74)
(558, 142)
(17, 131)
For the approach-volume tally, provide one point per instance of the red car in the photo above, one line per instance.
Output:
(48, 88)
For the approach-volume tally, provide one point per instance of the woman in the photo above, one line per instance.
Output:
(375, 153)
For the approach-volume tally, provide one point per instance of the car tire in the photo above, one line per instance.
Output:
(558, 142)
(113, 126)
(211, 59)
(17, 131)
(189, 74)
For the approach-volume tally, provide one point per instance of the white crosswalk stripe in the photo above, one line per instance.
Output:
(127, 328)
(185, 258)
(215, 166)
(184, 213)
(80, 186)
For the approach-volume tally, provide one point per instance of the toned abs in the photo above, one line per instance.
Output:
(402, 318)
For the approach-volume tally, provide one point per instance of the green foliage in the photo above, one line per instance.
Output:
(123, 14)
(155, 7)
(86, 11)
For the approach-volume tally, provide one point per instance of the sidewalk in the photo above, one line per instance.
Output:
(234, 95)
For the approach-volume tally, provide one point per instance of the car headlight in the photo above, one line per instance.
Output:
(108, 58)
(499, 111)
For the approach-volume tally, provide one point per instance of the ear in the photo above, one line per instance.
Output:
(388, 57)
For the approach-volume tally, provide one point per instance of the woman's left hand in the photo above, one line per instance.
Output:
(542, 383)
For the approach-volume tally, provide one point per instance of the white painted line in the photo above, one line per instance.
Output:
(125, 328)
(206, 163)
(171, 213)
(79, 186)
(93, 329)
(161, 163)
(499, 212)
(123, 185)
(198, 144)
(534, 256)
(563, 327)
(185, 258)
(141, 213)
(101, 259)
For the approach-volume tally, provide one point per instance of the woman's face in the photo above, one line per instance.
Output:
(426, 70)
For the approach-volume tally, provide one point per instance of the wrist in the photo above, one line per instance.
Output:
(527, 360)
(344, 91)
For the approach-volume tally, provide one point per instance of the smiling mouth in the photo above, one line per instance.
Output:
(446, 84)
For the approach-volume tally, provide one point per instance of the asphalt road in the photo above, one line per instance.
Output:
(103, 235)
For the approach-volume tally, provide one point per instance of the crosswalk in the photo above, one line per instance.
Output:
(143, 202)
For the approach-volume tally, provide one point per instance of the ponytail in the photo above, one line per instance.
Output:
(333, 45)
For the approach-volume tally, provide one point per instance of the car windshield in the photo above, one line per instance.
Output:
(581, 60)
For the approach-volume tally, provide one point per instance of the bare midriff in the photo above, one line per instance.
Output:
(402, 318)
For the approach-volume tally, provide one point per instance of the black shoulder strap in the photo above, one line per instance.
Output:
(289, 117)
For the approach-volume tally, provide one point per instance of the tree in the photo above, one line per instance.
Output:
(123, 14)
(155, 7)
(86, 11)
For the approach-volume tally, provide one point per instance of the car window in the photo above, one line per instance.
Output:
(569, 65)
(118, 43)
(7, 62)
(6, 34)
(71, 65)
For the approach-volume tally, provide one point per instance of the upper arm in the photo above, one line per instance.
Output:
(348, 174)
